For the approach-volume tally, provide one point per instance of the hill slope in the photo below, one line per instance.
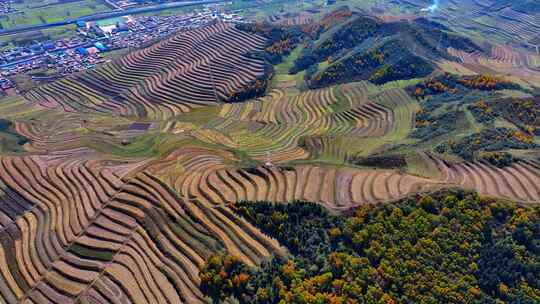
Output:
(445, 247)
(367, 48)
(206, 66)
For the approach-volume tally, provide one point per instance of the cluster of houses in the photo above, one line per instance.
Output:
(84, 50)
(6, 7)
(67, 55)
(6, 84)
(150, 28)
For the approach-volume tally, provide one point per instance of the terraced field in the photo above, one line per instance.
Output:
(79, 232)
(207, 176)
(502, 59)
(491, 19)
(519, 182)
(272, 127)
(301, 18)
(191, 69)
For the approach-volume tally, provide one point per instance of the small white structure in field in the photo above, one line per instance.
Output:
(268, 161)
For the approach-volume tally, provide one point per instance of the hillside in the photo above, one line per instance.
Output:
(367, 48)
(208, 66)
(526, 6)
(445, 247)
(81, 232)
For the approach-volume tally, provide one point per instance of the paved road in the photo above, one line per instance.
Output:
(112, 14)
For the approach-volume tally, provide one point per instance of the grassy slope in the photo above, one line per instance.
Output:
(282, 71)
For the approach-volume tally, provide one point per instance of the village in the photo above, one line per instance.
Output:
(95, 41)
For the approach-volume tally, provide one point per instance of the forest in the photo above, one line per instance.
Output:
(383, 63)
(450, 246)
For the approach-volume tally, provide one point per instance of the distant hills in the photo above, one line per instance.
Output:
(523, 6)
(366, 48)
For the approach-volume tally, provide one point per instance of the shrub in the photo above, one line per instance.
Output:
(498, 159)
(489, 140)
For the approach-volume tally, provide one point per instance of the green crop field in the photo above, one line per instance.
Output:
(31, 12)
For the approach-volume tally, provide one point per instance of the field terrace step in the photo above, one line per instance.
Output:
(191, 69)
(339, 189)
(76, 232)
(217, 184)
(519, 182)
(275, 123)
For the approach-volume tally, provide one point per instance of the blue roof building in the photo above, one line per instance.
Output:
(81, 51)
(100, 46)
(49, 45)
(37, 49)
(81, 23)
(121, 27)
